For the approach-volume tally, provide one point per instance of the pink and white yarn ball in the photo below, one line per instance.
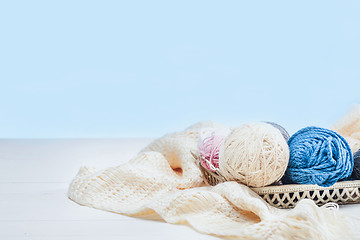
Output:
(209, 145)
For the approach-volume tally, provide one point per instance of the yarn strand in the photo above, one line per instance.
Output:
(318, 156)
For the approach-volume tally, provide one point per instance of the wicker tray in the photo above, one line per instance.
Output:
(286, 196)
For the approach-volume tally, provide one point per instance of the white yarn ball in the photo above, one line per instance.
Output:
(254, 154)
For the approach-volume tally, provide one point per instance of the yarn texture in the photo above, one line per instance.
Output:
(282, 130)
(254, 154)
(349, 127)
(318, 156)
(356, 171)
(150, 187)
(210, 141)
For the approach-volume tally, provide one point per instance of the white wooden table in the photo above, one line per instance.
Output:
(34, 177)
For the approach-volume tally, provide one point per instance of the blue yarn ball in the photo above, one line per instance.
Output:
(318, 156)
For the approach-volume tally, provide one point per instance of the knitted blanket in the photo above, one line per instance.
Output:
(164, 182)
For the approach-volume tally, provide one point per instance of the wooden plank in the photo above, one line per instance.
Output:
(58, 160)
(34, 178)
(43, 211)
(102, 230)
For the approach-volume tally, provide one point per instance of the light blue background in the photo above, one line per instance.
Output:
(145, 68)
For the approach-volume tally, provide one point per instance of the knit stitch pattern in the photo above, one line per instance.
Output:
(164, 182)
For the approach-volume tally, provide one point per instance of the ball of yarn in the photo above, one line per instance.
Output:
(356, 171)
(281, 129)
(209, 146)
(254, 154)
(318, 156)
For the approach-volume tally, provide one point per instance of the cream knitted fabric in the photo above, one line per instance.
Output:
(349, 128)
(164, 182)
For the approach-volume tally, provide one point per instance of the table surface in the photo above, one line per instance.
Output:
(34, 178)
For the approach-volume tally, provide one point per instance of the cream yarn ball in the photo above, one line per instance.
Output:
(254, 154)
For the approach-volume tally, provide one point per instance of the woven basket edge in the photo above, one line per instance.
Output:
(304, 187)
